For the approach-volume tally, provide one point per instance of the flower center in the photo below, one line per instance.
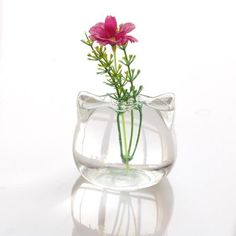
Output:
(113, 39)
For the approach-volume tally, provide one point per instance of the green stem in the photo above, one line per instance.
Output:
(132, 112)
(124, 156)
(124, 137)
(139, 131)
(119, 133)
(132, 130)
(114, 53)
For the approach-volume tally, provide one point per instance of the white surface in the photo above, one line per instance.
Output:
(187, 47)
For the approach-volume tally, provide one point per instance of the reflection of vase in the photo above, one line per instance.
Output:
(124, 146)
(145, 212)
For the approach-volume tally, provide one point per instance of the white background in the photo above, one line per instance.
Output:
(187, 47)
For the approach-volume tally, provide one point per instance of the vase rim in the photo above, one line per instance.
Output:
(123, 106)
(163, 102)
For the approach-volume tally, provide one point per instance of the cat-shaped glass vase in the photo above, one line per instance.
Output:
(124, 146)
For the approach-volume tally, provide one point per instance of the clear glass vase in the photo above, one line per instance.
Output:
(124, 146)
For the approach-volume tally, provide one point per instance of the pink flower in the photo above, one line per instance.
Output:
(109, 33)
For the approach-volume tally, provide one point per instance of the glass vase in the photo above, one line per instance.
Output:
(124, 146)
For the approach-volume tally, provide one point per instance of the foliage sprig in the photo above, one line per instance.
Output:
(118, 75)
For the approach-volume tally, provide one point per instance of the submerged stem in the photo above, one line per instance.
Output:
(131, 130)
(119, 133)
(126, 156)
(139, 131)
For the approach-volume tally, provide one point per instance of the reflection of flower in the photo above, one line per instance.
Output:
(109, 33)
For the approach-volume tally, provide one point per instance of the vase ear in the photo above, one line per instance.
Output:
(164, 104)
(87, 103)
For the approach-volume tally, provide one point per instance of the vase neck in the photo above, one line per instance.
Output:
(128, 105)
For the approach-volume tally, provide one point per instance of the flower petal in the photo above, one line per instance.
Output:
(110, 26)
(97, 29)
(131, 38)
(127, 27)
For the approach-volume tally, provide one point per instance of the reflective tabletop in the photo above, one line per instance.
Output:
(103, 212)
